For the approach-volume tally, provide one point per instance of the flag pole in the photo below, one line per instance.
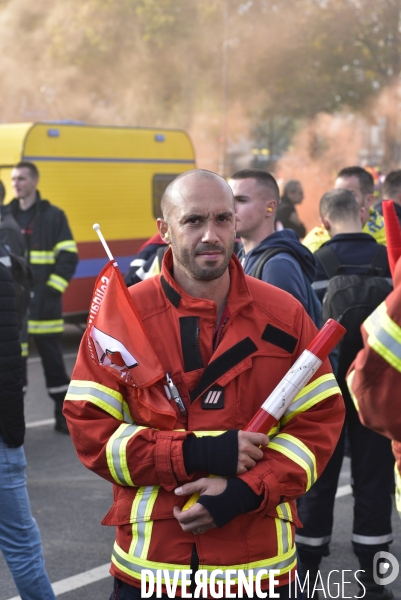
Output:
(96, 227)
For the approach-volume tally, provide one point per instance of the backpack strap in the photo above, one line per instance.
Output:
(380, 260)
(257, 270)
(329, 261)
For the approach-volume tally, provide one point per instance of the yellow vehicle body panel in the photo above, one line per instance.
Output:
(113, 176)
(97, 174)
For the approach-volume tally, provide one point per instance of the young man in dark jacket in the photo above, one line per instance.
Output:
(52, 255)
(293, 269)
(20, 540)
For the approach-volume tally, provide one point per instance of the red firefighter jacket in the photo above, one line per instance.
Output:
(374, 379)
(137, 445)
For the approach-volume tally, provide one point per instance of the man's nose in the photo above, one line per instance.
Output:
(210, 234)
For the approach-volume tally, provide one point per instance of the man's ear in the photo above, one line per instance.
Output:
(364, 214)
(271, 208)
(326, 223)
(369, 200)
(162, 227)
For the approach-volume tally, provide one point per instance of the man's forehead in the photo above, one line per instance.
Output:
(18, 171)
(347, 183)
(200, 194)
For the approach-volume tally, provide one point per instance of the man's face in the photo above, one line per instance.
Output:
(296, 194)
(23, 183)
(250, 205)
(352, 184)
(201, 225)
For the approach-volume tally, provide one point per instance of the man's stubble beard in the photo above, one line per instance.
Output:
(186, 260)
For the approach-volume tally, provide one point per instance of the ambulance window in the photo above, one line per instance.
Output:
(159, 184)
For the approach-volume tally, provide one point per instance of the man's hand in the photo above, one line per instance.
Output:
(248, 449)
(197, 518)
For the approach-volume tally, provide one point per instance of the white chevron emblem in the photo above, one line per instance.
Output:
(212, 397)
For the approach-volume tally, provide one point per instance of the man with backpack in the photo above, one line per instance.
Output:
(352, 279)
(360, 183)
(276, 257)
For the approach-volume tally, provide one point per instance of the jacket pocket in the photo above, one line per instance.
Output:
(49, 307)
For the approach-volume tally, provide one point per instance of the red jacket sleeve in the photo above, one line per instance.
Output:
(106, 435)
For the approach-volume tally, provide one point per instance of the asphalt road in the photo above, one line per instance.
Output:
(68, 501)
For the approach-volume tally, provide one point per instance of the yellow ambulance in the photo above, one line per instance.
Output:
(114, 176)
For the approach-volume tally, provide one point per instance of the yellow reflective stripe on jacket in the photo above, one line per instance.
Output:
(104, 397)
(24, 349)
(141, 510)
(66, 245)
(283, 528)
(321, 388)
(38, 327)
(42, 257)
(116, 453)
(397, 477)
(58, 283)
(384, 336)
(133, 566)
(203, 433)
(298, 452)
(350, 380)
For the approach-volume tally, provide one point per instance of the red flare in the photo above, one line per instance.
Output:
(393, 233)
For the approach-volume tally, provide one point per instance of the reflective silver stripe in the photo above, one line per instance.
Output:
(108, 399)
(290, 445)
(141, 512)
(5, 260)
(312, 541)
(284, 509)
(133, 565)
(320, 285)
(387, 340)
(56, 390)
(115, 451)
(140, 273)
(137, 262)
(322, 387)
(372, 540)
(284, 535)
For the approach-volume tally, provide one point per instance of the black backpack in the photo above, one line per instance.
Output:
(314, 305)
(22, 276)
(350, 299)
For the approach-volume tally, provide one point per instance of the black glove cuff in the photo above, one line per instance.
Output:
(217, 455)
(237, 498)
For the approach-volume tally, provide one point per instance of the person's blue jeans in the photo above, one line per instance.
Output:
(20, 540)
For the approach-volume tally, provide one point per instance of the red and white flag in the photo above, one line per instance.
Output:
(116, 338)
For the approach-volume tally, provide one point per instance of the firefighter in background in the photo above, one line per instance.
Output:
(374, 379)
(360, 182)
(53, 257)
(224, 335)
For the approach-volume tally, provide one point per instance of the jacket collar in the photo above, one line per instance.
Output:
(238, 297)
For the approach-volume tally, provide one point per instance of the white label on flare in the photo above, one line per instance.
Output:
(292, 383)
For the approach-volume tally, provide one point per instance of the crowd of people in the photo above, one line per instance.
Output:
(230, 291)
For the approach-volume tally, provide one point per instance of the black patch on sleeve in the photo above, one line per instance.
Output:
(222, 364)
(279, 338)
(172, 295)
(191, 354)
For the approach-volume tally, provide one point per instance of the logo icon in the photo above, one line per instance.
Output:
(112, 352)
(385, 568)
(213, 398)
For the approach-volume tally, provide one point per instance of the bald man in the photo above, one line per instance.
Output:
(226, 340)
